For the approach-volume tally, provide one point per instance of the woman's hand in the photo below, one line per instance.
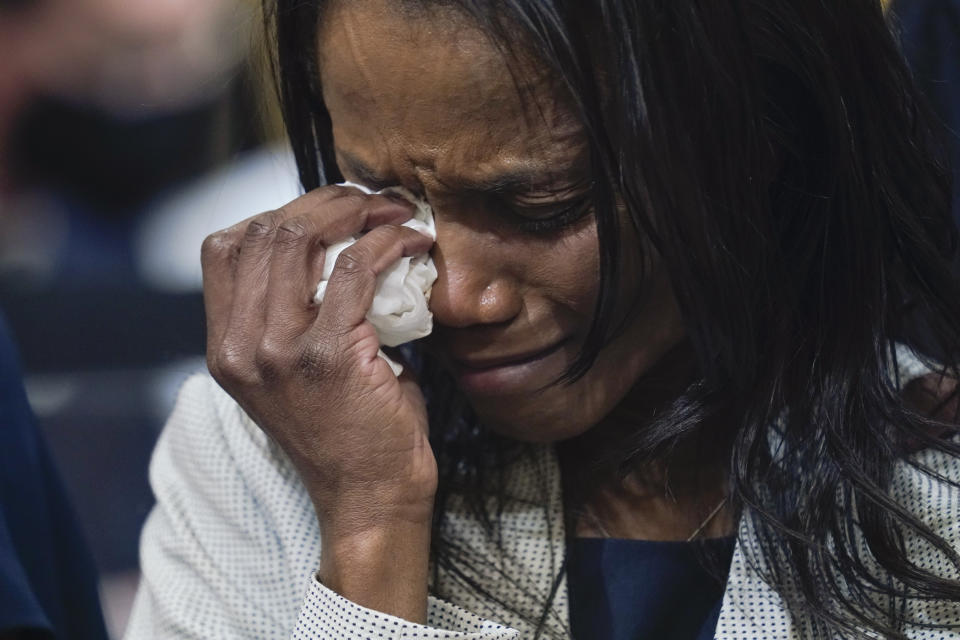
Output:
(310, 376)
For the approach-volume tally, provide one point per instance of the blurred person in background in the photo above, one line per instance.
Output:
(106, 105)
(48, 584)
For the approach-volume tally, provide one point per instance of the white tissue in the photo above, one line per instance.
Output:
(399, 312)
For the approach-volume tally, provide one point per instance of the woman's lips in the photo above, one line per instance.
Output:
(527, 371)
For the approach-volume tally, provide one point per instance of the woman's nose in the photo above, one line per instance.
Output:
(473, 286)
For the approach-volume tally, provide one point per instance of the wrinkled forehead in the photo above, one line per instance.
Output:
(400, 45)
(433, 82)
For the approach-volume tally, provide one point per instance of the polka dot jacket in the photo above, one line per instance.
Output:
(232, 546)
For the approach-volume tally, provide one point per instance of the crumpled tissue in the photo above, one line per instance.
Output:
(399, 312)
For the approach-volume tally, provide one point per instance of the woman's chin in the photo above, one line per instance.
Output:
(530, 419)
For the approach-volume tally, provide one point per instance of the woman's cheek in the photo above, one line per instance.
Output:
(566, 268)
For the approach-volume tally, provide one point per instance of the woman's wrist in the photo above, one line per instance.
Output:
(384, 568)
(347, 513)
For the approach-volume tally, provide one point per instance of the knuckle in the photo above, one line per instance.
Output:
(270, 358)
(218, 244)
(387, 236)
(235, 368)
(353, 198)
(354, 260)
(262, 225)
(292, 231)
(337, 190)
(385, 231)
(316, 196)
(213, 365)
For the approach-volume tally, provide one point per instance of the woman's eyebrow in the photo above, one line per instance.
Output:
(520, 179)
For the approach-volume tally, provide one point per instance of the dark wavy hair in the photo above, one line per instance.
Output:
(777, 155)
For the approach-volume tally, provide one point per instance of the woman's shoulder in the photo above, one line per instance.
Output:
(927, 484)
(927, 481)
(207, 421)
(209, 445)
(232, 534)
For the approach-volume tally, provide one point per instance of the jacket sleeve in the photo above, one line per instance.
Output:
(231, 548)
(326, 614)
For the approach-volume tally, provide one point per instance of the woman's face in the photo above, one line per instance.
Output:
(428, 102)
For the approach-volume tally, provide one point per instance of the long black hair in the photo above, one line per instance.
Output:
(777, 155)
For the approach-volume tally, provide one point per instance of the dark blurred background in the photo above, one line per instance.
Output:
(129, 129)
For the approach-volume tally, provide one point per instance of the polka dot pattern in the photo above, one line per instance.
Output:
(232, 547)
(752, 609)
(327, 615)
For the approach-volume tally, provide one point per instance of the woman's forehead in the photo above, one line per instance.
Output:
(433, 88)
(388, 62)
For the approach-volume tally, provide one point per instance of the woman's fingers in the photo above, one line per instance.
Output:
(352, 285)
(292, 275)
(306, 383)
(218, 258)
(290, 235)
(235, 361)
(339, 212)
(237, 264)
(298, 253)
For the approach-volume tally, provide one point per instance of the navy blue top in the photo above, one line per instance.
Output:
(930, 36)
(639, 590)
(48, 584)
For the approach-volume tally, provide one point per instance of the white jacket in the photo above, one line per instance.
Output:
(232, 546)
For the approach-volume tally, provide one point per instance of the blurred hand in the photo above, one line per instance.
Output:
(310, 376)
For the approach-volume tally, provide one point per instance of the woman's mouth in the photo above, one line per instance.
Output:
(510, 373)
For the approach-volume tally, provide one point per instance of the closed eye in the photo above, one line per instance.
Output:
(549, 210)
(553, 216)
